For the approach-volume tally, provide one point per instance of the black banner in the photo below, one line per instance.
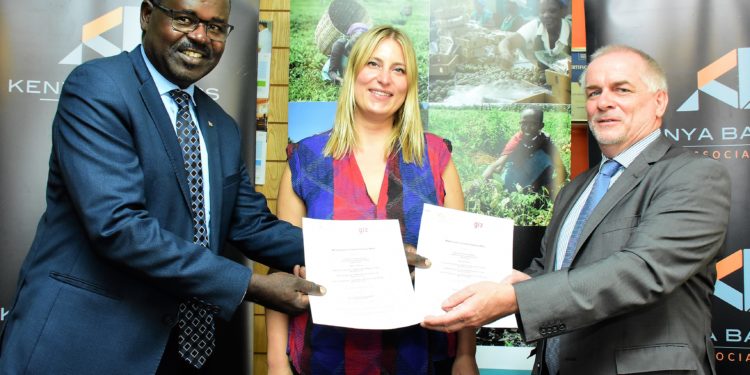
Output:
(704, 47)
(41, 42)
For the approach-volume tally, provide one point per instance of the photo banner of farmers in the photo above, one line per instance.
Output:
(42, 42)
(265, 45)
(482, 64)
(704, 48)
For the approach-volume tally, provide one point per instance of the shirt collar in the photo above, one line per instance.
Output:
(626, 157)
(564, 33)
(163, 85)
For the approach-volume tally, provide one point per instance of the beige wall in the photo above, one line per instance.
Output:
(276, 11)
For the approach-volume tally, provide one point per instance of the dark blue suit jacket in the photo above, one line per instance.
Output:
(113, 254)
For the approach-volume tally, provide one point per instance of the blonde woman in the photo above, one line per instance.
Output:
(376, 163)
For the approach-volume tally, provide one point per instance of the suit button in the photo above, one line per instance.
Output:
(169, 319)
(562, 327)
(544, 331)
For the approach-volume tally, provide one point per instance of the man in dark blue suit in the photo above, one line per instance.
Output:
(116, 254)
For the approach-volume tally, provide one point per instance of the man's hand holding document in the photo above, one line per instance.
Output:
(362, 265)
(464, 248)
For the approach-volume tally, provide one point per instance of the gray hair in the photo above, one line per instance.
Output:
(654, 76)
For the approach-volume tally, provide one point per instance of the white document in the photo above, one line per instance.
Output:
(362, 265)
(464, 248)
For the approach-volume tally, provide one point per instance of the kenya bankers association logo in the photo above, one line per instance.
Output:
(728, 266)
(708, 83)
(91, 34)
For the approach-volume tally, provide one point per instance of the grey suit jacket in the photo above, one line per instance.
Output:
(637, 296)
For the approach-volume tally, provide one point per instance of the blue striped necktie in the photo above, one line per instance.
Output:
(600, 187)
(610, 167)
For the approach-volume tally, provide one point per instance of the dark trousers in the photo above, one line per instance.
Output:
(172, 364)
(227, 357)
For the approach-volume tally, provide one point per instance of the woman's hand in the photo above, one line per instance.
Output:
(415, 260)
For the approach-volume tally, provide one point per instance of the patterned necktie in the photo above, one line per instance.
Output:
(196, 319)
(610, 167)
(600, 187)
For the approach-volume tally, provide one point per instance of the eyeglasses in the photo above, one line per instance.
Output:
(187, 23)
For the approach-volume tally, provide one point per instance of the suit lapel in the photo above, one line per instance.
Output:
(207, 124)
(629, 179)
(161, 121)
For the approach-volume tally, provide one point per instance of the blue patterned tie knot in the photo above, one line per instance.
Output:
(196, 340)
(610, 167)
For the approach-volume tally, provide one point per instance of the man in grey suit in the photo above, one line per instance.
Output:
(146, 187)
(632, 292)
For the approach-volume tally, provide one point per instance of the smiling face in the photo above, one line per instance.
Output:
(621, 107)
(551, 13)
(182, 58)
(531, 123)
(381, 85)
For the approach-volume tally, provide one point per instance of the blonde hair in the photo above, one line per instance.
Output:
(407, 134)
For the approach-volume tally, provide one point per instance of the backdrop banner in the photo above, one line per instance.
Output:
(704, 47)
(470, 96)
(41, 42)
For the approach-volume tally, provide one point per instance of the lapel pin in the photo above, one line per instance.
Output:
(210, 124)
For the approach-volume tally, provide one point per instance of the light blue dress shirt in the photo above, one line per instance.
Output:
(625, 158)
(164, 86)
